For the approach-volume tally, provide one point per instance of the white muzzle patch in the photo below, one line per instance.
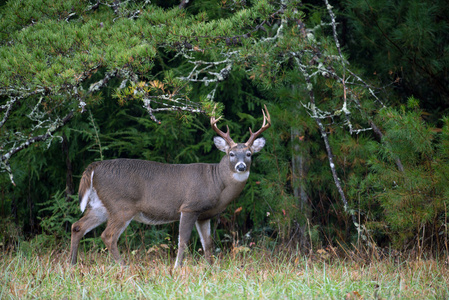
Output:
(243, 176)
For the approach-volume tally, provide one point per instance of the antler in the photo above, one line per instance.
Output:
(265, 125)
(226, 136)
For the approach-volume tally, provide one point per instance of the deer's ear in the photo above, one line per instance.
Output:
(221, 144)
(258, 145)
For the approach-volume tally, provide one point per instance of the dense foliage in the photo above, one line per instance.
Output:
(351, 155)
(404, 43)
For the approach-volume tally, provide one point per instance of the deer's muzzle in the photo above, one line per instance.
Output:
(240, 167)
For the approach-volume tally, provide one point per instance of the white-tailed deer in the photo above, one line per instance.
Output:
(121, 190)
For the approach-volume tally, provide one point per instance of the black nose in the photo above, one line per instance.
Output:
(241, 168)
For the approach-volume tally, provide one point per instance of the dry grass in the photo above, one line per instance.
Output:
(254, 275)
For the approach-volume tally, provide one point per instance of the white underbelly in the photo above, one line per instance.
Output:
(142, 218)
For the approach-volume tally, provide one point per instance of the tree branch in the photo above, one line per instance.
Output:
(4, 159)
(325, 138)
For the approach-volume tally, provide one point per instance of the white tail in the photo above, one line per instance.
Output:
(121, 190)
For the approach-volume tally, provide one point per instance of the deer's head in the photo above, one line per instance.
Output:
(239, 154)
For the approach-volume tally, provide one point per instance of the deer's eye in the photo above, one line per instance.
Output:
(248, 154)
(231, 154)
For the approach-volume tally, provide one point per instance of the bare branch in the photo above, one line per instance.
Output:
(209, 68)
(8, 106)
(4, 159)
(325, 138)
(41, 119)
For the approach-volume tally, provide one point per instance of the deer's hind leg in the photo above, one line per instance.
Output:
(114, 228)
(92, 218)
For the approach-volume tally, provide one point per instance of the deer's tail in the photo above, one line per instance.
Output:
(86, 187)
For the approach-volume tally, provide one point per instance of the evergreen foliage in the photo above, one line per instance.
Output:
(405, 43)
(84, 81)
(409, 207)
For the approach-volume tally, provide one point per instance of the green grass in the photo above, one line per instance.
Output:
(254, 275)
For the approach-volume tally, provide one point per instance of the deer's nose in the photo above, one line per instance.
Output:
(240, 167)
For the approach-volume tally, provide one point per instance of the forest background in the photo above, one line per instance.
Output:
(358, 92)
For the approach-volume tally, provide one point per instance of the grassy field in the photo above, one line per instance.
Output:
(256, 274)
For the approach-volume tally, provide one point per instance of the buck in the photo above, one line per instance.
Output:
(121, 190)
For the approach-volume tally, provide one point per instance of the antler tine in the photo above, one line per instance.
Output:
(226, 136)
(265, 125)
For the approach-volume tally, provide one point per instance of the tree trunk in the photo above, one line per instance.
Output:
(69, 186)
(299, 173)
(299, 169)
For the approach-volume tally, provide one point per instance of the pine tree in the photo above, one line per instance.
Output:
(404, 43)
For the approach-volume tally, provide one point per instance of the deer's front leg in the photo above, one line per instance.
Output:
(203, 228)
(186, 223)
